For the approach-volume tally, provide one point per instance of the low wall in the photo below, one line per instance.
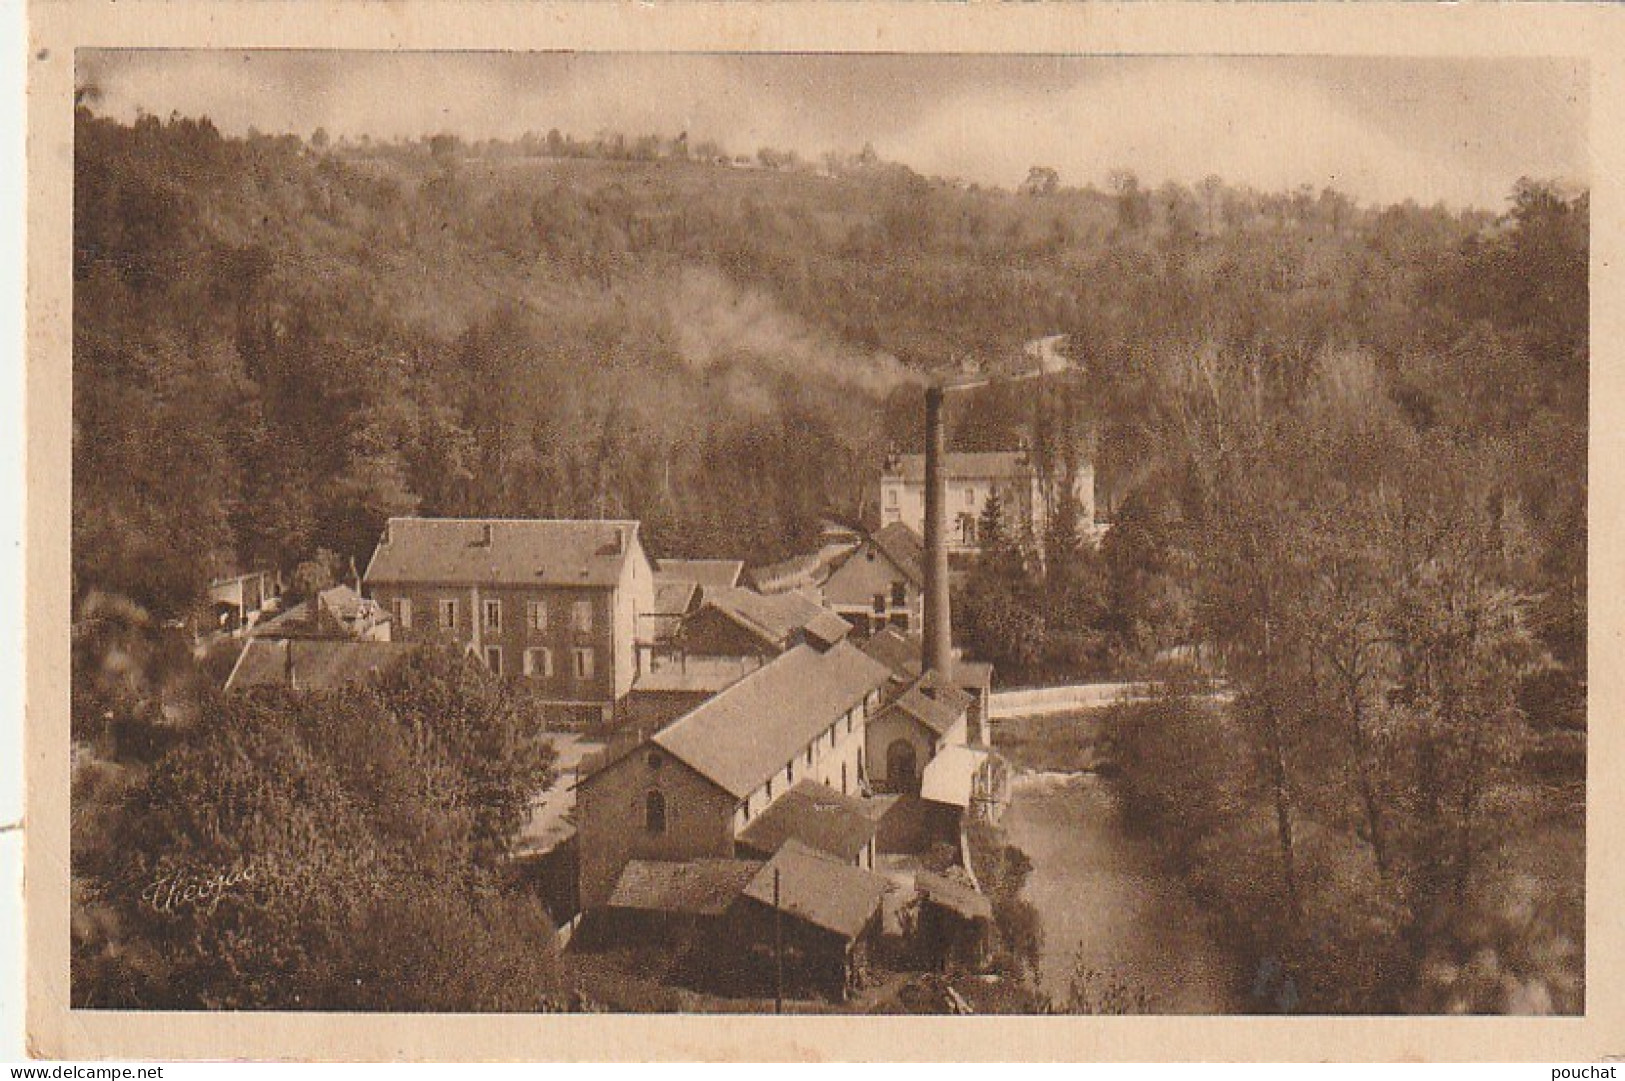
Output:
(1026, 702)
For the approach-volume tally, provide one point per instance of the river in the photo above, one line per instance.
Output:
(1108, 896)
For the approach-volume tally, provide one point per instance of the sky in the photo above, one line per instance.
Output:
(1461, 131)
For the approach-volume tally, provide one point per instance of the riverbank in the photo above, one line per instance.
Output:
(1116, 914)
(1112, 908)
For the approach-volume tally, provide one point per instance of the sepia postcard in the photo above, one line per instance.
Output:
(821, 532)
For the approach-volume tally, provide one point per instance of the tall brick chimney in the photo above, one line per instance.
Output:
(938, 644)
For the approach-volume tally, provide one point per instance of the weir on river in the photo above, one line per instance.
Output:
(1108, 898)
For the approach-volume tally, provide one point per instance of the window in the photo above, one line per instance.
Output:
(899, 594)
(899, 620)
(832, 735)
(493, 659)
(584, 664)
(770, 790)
(403, 613)
(967, 529)
(970, 497)
(539, 662)
(491, 615)
(843, 778)
(747, 808)
(790, 772)
(880, 604)
(654, 812)
(860, 765)
(891, 497)
(809, 754)
(536, 615)
(581, 616)
(448, 615)
(849, 722)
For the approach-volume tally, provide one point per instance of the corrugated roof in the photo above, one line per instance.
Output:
(903, 547)
(702, 887)
(522, 551)
(954, 896)
(319, 664)
(966, 465)
(707, 573)
(824, 892)
(749, 731)
(774, 618)
(817, 816)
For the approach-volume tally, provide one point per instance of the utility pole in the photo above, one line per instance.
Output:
(778, 948)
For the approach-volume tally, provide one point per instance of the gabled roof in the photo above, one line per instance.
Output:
(939, 713)
(774, 618)
(701, 887)
(901, 653)
(674, 597)
(747, 733)
(826, 628)
(320, 664)
(706, 573)
(826, 893)
(965, 465)
(900, 544)
(817, 816)
(341, 600)
(522, 551)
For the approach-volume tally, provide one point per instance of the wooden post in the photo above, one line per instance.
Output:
(778, 948)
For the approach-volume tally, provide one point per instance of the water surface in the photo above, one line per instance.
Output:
(1107, 895)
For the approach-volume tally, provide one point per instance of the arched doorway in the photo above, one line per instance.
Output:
(900, 766)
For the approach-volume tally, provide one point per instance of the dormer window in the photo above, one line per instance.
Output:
(654, 812)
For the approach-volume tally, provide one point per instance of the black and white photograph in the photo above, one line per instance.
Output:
(943, 534)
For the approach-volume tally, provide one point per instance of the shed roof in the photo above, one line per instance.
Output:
(522, 551)
(817, 816)
(965, 465)
(747, 733)
(954, 896)
(824, 892)
(694, 674)
(702, 887)
(706, 573)
(319, 664)
(950, 777)
(774, 618)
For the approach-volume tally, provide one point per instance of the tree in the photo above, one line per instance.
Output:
(1041, 180)
(323, 851)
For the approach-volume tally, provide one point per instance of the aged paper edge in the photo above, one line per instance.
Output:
(59, 27)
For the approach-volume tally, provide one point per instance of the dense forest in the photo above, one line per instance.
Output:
(1342, 449)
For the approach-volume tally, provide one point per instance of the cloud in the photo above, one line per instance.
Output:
(1381, 129)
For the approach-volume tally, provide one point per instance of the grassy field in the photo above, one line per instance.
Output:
(1063, 742)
